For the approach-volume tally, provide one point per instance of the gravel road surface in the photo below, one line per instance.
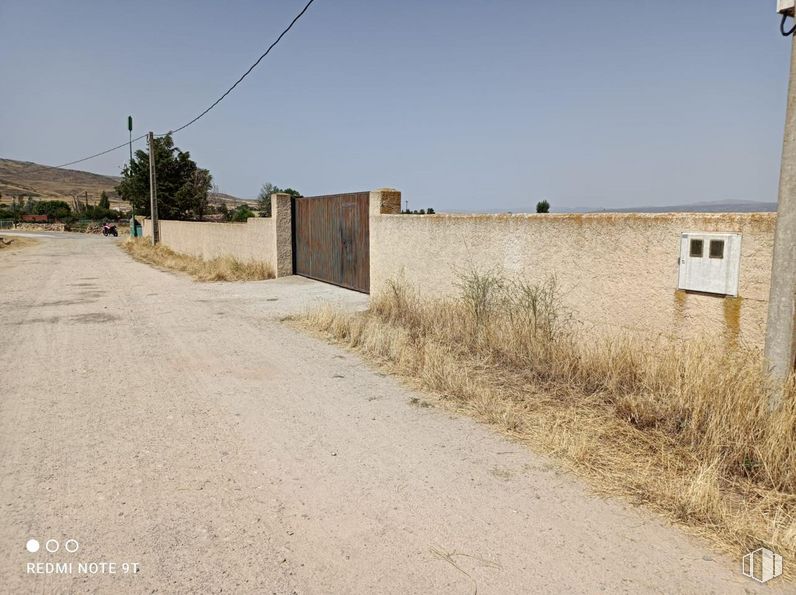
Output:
(181, 429)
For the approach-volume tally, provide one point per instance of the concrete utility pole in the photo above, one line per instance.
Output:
(133, 227)
(780, 350)
(153, 191)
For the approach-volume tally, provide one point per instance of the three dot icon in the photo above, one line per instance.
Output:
(52, 545)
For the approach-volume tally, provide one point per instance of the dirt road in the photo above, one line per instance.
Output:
(183, 428)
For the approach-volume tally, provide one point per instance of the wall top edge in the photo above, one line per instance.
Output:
(236, 223)
(746, 216)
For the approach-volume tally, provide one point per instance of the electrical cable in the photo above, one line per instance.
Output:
(214, 104)
(117, 147)
(245, 74)
(782, 26)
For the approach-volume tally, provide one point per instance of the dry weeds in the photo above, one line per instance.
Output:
(218, 269)
(681, 428)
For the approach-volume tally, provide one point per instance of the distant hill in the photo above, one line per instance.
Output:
(718, 206)
(25, 178)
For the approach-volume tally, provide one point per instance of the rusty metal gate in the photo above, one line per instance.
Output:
(331, 239)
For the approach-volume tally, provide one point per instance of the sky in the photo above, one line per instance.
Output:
(461, 105)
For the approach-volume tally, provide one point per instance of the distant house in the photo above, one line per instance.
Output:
(35, 218)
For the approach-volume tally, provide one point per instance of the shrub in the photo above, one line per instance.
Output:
(241, 214)
(55, 209)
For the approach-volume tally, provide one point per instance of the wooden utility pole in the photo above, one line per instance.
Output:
(780, 350)
(153, 191)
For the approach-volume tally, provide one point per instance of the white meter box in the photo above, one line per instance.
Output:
(710, 262)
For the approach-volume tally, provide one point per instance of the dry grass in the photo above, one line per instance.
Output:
(14, 242)
(218, 269)
(681, 428)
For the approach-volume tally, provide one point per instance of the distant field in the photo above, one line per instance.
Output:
(25, 178)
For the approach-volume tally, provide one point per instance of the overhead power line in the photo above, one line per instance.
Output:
(245, 74)
(212, 105)
(124, 144)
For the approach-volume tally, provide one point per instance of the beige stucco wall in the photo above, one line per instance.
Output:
(615, 270)
(260, 239)
(250, 241)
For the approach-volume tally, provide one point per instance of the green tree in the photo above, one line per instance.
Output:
(194, 193)
(264, 197)
(55, 209)
(241, 213)
(182, 187)
(542, 206)
(104, 201)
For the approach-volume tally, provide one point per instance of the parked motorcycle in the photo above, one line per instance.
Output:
(109, 229)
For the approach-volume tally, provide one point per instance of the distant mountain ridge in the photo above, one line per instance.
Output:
(716, 206)
(26, 178)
